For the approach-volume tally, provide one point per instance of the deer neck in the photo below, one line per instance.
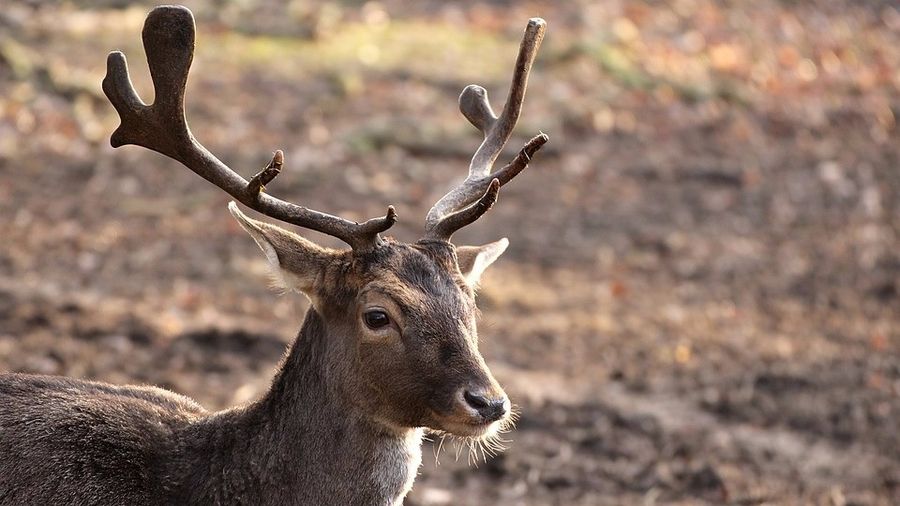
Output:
(306, 443)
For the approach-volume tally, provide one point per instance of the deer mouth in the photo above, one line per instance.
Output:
(474, 412)
(474, 427)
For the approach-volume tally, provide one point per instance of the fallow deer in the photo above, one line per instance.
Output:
(387, 351)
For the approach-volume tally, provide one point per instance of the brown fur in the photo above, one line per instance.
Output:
(341, 424)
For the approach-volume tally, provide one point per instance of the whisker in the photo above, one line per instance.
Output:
(473, 452)
(437, 450)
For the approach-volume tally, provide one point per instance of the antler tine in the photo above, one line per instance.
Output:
(476, 107)
(168, 38)
(454, 221)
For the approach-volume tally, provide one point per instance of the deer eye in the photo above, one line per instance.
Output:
(376, 319)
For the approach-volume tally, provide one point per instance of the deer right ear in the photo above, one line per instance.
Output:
(295, 262)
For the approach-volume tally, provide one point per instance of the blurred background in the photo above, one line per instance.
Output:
(701, 302)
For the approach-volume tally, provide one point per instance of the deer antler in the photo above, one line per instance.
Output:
(450, 213)
(168, 37)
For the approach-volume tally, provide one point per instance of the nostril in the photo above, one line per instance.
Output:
(496, 411)
(490, 409)
(502, 406)
(479, 402)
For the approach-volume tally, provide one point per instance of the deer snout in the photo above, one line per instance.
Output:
(489, 405)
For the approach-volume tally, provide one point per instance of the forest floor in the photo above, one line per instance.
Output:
(701, 300)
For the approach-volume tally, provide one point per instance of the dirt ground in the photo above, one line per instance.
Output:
(701, 302)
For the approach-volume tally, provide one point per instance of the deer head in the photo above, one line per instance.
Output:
(402, 316)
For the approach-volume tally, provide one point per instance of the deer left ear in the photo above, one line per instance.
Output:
(473, 260)
(296, 263)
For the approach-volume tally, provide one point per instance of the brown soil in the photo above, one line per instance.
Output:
(701, 303)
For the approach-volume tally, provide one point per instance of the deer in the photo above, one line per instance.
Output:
(387, 352)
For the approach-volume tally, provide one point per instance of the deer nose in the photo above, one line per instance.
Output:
(491, 409)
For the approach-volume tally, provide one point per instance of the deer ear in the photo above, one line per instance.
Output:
(295, 262)
(473, 260)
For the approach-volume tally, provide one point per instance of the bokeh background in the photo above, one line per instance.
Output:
(701, 302)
